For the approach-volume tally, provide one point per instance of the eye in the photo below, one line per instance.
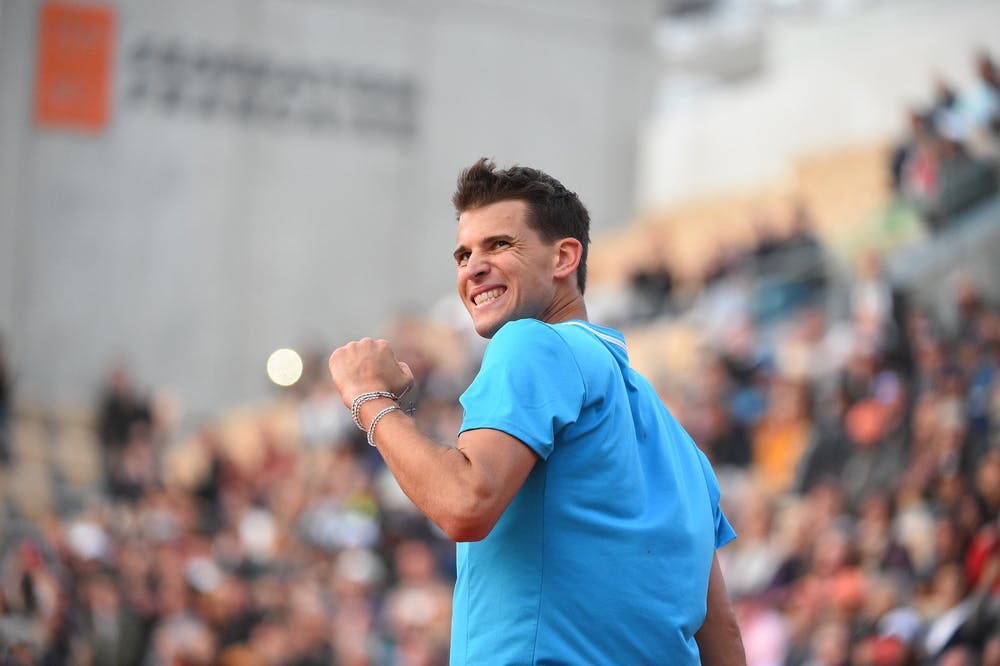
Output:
(462, 258)
(501, 243)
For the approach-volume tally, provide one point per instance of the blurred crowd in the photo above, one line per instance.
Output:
(782, 253)
(859, 456)
(859, 460)
(272, 535)
(947, 161)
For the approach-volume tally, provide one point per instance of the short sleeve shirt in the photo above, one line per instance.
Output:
(603, 555)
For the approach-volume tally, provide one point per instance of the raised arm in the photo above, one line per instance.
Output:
(463, 489)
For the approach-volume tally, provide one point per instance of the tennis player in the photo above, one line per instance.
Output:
(586, 518)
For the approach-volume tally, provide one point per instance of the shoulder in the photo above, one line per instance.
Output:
(530, 347)
(524, 335)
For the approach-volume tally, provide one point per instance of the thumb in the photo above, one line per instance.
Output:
(408, 374)
(405, 369)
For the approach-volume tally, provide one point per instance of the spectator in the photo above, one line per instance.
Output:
(121, 414)
(652, 282)
(828, 446)
(781, 436)
(947, 114)
(982, 103)
(877, 429)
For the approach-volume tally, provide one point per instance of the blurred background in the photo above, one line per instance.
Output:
(795, 222)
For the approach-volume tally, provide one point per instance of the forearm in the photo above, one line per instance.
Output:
(463, 489)
(440, 480)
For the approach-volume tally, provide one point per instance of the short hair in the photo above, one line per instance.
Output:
(553, 211)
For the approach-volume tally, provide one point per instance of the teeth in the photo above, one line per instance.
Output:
(487, 296)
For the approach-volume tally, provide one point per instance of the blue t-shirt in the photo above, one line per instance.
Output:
(603, 556)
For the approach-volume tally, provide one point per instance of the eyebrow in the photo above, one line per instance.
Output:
(486, 241)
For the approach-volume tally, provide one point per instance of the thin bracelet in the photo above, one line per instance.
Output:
(362, 399)
(371, 428)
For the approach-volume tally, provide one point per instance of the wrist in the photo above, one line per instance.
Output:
(378, 417)
(367, 411)
(361, 399)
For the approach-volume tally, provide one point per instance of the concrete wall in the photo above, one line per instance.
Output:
(842, 80)
(278, 173)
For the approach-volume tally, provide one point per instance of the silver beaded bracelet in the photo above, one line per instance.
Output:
(362, 399)
(378, 417)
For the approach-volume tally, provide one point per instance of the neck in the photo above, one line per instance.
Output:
(564, 309)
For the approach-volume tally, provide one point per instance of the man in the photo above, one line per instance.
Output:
(587, 520)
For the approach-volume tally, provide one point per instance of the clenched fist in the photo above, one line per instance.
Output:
(368, 365)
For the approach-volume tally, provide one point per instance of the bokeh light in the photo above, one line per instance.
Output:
(284, 367)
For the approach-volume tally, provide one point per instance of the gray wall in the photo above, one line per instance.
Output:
(277, 173)
(840, 80)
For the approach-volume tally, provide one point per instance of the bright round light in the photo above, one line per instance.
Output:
(284, 367)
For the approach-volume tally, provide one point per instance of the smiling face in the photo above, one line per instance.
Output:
(507, 271)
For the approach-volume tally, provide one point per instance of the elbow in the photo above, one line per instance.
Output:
(466, 527)
(469, 521)
(467, 533)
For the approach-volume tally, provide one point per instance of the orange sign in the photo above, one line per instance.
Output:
(73, 76)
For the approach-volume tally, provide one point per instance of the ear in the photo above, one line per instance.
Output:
(569, 252)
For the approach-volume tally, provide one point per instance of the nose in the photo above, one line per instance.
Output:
(477, 265)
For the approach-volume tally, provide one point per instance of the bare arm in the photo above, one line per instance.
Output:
(719, 639)
(464, 490)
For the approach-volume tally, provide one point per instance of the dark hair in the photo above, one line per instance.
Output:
(553, 211)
